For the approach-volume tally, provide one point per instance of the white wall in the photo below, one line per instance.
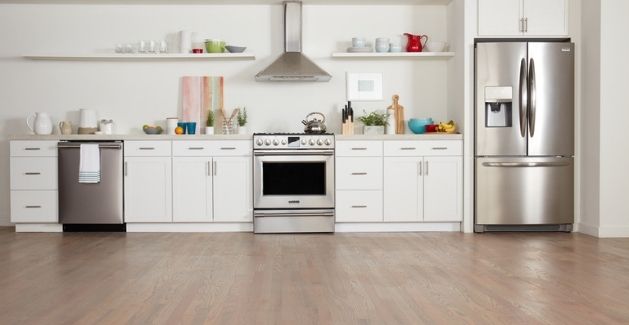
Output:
(135, 93)
(614, 151)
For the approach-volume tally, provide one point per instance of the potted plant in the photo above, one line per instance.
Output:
(209, 124)
(242, 121)
(374, 122)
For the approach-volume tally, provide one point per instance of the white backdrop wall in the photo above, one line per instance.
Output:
(134, 93)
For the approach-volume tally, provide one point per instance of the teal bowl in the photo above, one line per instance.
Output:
(418, 126)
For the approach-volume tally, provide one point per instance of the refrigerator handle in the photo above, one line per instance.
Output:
(526, 164)
(532, 98)
(523, 98)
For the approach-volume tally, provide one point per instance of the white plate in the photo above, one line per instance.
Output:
(359, 49)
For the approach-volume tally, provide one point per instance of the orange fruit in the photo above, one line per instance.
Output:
(179, 130)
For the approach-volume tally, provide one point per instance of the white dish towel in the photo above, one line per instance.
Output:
(89, 167)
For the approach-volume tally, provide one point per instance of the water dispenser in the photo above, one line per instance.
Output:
(498, 107)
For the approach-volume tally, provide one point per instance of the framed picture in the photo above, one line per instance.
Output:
(364, 86)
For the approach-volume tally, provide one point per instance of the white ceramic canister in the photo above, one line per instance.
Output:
(88, 118)
(171, 125)
(39, 123)
(390, 128)
(185, 42)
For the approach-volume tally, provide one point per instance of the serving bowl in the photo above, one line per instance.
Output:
(148, 129)
(235, 49)
(418, 126)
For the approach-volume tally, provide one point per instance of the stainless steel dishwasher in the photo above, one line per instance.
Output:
(85, 204)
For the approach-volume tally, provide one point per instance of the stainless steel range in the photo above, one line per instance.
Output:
(293, 183)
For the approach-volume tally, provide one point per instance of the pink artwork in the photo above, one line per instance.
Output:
(199, 95)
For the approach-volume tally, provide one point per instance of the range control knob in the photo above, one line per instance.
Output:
(319, 142)
(276, 142)
(328, 142)
(259, 142)
(312, 142)
(284, 142)
(267, 142)
(304, 141)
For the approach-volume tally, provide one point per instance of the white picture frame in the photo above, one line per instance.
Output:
(364, 86)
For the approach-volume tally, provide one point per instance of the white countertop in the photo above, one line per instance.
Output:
(146, 137)
(426, 136)
(131, 137)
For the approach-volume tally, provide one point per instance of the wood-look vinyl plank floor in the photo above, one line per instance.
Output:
(242, 278)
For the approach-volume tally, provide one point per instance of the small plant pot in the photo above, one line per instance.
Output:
(209, 130)
(373, 130)
(243, 130)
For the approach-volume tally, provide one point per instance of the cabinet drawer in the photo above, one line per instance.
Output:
(232, 148)
(359, 173)
(358, 148)
(34, 207)
(358, 206)
(415, 148)
(34, 173)
(443, 148)
(33, 148)
(147, 148)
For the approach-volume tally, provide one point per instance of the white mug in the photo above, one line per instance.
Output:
(358, 42)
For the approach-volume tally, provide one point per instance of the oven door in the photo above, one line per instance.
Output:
(295, 179)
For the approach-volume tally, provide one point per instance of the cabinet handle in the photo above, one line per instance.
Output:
(33, 206)
(359, 149)
(195, 148)
(358, 206)
(439, 148)
(32, 149)
(419, 168)
(426, 168)
(214, 165)
(208, 166)
(408, 148)
(125, 169)
(147, 148)
(521, 25)
(526, 25)
(32, 174)
(359, 174)
(228, 148)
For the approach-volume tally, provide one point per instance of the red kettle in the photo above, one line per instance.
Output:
(414, 43)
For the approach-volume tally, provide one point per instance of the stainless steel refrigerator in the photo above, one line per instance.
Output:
(524, 147)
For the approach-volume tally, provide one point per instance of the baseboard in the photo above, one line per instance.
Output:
(190, 227)
(38, 227)
(398, 227)
(613, 232)
(586, 229)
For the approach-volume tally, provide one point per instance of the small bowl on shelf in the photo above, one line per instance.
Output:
(235, 49)
(149, 129)
(418, 126)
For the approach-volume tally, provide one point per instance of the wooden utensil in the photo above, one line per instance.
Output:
(399, 114)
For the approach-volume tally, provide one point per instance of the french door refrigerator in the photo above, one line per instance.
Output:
(524, 147)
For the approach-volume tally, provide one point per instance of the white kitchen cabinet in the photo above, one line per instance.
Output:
(359, 206)
(443, 189)
(232, 189)
(192, 189)
(148, 189)
(403, 189)
(523, 18)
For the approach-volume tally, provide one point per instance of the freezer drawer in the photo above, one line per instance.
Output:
(524, 191)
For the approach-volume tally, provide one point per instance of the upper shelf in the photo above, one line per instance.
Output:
(139, 57)
(236, 2)
(393, 55)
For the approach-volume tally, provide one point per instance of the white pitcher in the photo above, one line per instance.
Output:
(39, 123)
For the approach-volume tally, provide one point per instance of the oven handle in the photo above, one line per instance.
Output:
(295, 213)
(293, 153)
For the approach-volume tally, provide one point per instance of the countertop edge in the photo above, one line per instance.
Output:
(385, 137)
(218, 137)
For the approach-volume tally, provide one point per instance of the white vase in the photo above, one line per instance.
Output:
(373, 130)
(39, 123)
(242, 129)
(209, 130)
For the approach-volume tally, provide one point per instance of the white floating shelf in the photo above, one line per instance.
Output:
(393, 55)
(140, 57)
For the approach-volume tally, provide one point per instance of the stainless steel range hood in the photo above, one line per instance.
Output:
(293, 65)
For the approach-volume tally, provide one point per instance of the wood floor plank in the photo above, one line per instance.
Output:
(241, 278)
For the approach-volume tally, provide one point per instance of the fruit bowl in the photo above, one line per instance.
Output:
(149, 129)
(418, 126)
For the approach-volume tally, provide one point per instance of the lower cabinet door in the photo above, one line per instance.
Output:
(403, 189)
(233, 187)
(443, 190)
(358, 206)
(192, 189)
(148, 189)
